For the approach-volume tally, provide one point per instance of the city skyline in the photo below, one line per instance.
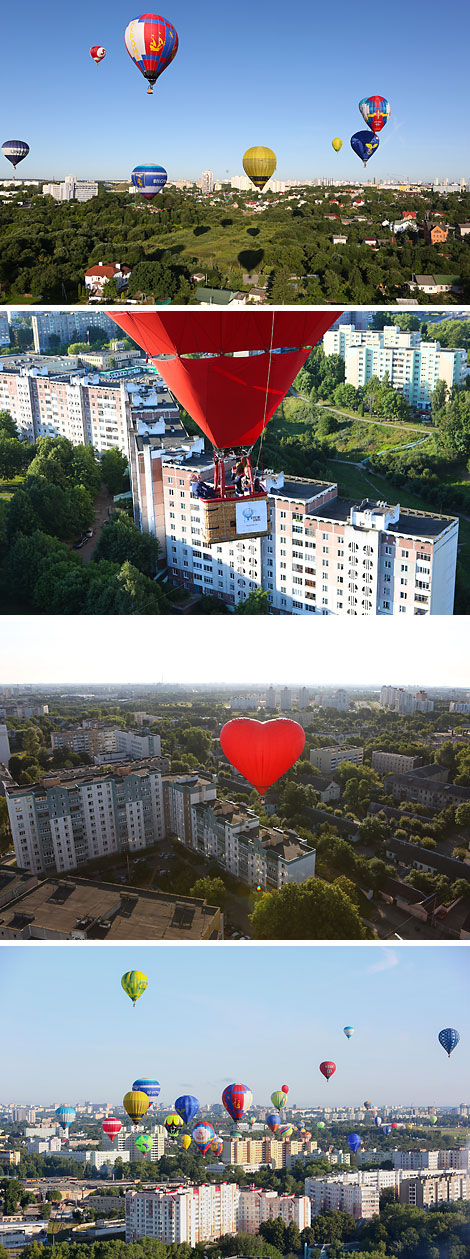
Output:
(398, 999)
(216, 60)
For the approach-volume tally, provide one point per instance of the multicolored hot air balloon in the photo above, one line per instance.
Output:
(449, 1037)
(150, 1087)
(237, 1099)
(368, 1105)
(262, 751)
(203, 1136)
(136, 1104)
(259, 164)
(134, 983)
(285, 1131)
(65, 1116)
(348, 1031)
(111, 1128)
(337, 144)
(187, 1106)
(15, 151)
(279, 1099)
(144, 1142)
(273, 1121)
(365, 144)
(320, 1124)
(149, 180)
(327, 1069)
(375, 111)
(152, 43)
(173, 1123)
(354, 1141)
(97, 53)
(217, 1146)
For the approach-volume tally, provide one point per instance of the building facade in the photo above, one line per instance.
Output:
(327, 760)
(188, 1213)
(413, 366)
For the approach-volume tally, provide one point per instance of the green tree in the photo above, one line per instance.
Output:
(213, 891)
(256, 604)
(114, 471)
(312, 910)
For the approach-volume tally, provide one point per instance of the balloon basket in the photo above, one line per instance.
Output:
(221, 522)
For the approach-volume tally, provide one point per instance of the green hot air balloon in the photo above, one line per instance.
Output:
(144, 1142)
(134, 983)
(279, 1099)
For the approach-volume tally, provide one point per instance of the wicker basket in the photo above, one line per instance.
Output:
(219, 520)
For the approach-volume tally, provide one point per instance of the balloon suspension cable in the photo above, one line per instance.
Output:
(267, 392)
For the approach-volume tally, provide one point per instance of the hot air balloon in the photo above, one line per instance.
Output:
(205, 359)
(449, 1038)
(187, 1106)
(386, 1129)
(354, 1142)
(320, 1124)
(152, 43)
(348, 1031)
(217, 1146)
(284, 1088)
(149, 180)
(173, 1123)
(273, 1121)
(279, 1099)
(259, 164)
(375, 111)
(203, 1135)
(364, 143)
(237, 1099)
(378, 1121)
(367, 1105)
(337, 144)
(144, 1142)
(136, 1104)
(150, 1087)
(65, 1116)
(134, 983)
(433, 1119)
(97, 53)
(394, 1125)
(15, 151)
(262, 751)
(187, 1141)
(285, 1131)
(327, 1069)
(111, 1128)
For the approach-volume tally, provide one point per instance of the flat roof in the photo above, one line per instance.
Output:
(297, 488)
(106, 911)
(411, 523)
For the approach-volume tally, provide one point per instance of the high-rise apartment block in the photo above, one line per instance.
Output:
(186, 1213)
(414, 366)
(328, 759)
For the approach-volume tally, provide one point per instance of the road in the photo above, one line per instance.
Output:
(104, 507)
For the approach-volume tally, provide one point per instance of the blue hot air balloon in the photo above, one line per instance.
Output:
(187, 1107)
(15, 151)
(354, 1142)
(364, 143)
(348, 1031)
(386, 1129)
(150, 1087)
(378, 1121)
(65, 1116)
(449, 1038)
(149, 180)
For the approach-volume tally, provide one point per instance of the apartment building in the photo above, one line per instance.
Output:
(100, 741)
(432, 790)
(187, 1213)
(75, 406)
(400, 701)
(328, 759)
(4, 746)
(125, 1140)
(338, 699)
(255, 1152)
(413, 366)
(68, 326)
(416, 1160)
(261, 857)
(72, 189)
(256, 1206)
(394, 762)
(343, 1193)
(428, 1190)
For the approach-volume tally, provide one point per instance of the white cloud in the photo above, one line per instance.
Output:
(388, 959)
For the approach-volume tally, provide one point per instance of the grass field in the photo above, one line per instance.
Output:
(8, 487)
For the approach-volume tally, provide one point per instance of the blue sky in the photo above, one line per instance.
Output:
(288, 76)
(213, 1015)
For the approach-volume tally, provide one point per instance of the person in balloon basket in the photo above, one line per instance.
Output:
(238, 474)
(200, 488)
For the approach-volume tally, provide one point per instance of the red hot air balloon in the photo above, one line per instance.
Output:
(152, 43)
(327, 1069)
(262, 750)
(97, 53)
(284, 1088)
(111, 1127)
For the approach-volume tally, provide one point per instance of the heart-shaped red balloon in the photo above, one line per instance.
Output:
(262, 750)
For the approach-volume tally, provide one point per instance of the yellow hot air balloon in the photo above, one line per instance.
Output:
(134, 983)
(186, 1142)
(337, 144)
(136, 1105)
(259, 164)
(173, 1123)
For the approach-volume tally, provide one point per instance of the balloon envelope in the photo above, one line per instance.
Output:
(203, 1135)
(433, 1119)
(273, 1121)
(150, 1087)
(237, 1099)
(386, 1129)
(348, 1031)
(15, 151)
(144, 1142)
(134, 983)
(354, 1141)
(375, 111)
(378, 1121)
(286, 1130)
(365, 144)
(284, 1088)
(449, 1037)
(111, 1127)
(149, 180)
(187, 1106)
(97, 53)
(320, 1124)
(65, 1116)
(262, 750)
(187, 1141)
(327, 1069)
(217, 1146)
(136, 1104)
(152, 43)
(278, 1099)
(173, 1123)
(259, 164)
(337, 144)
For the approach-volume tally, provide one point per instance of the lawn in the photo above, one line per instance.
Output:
(8, 487)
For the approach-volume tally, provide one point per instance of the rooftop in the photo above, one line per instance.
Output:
(411, 523)
(298, 488)
(75, 908)
(409, 853)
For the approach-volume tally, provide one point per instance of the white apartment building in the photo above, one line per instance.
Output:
(68, 326)
(77, 407)
(256, 1206)
(346, 1192)
(72, 189)
(428, 1190)
(339, 699)
(4, 746)
(70, 818)
(400, 701)
(189, 1213)
(414, 366)
(44, 1145)
(132, 743)
(328, 759)
(416, 1160)
(390, 762)
(243, 703)
(263, 858)
(125, 1140)
(457, 706)
(4, 329)
(207, 182)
